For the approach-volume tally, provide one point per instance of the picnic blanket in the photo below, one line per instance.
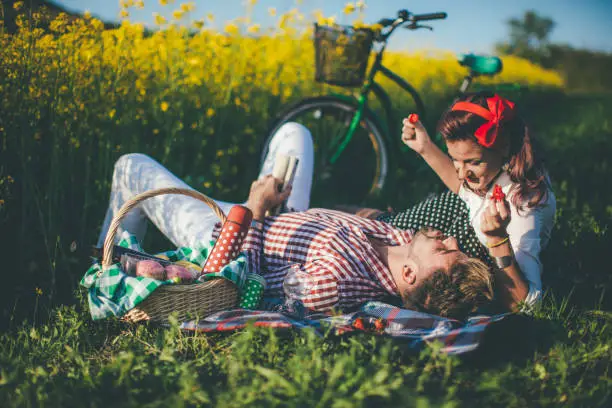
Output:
(113, 293)
(417, 329)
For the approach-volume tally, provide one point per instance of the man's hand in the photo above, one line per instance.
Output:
(415, 136)
(264, 195)
(495, 220)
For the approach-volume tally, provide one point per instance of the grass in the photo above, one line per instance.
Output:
(558, 356)
(68, 110)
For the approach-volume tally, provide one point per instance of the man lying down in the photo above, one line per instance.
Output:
(333, 260)
(327, 260)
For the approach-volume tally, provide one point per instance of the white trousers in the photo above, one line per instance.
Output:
(185, 220)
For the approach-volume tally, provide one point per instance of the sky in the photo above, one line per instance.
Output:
(471, 26)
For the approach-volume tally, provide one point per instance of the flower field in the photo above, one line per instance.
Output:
(75, 96)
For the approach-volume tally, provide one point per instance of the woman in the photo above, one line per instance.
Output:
(488, 144)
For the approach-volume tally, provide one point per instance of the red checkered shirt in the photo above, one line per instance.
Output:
(323, 258)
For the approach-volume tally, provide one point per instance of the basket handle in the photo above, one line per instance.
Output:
(107, 254)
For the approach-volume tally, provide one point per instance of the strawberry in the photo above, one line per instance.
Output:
(380, 324)
(498, 194)
(413, 118)
(358, 324)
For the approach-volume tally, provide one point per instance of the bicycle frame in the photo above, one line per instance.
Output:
(371, 85)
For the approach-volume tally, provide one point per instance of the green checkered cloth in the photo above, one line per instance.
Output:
(112, 292)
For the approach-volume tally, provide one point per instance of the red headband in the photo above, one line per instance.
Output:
(500, 109)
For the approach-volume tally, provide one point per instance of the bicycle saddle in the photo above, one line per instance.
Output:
(481, 64)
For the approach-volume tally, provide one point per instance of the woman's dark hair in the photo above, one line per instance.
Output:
(526, 166)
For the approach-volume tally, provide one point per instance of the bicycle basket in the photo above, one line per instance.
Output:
(341, 54)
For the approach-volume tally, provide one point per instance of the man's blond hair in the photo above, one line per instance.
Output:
(455, 294)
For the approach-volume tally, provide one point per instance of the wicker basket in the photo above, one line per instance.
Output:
(341, 54)
(188, 301)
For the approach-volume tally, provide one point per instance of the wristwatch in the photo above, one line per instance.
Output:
(503, 261)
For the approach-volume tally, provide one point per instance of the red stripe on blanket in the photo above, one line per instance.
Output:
(451, 337)
(393, 313)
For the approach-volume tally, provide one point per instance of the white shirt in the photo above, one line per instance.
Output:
(529, 230)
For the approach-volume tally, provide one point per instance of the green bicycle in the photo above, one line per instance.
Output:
(352, 152)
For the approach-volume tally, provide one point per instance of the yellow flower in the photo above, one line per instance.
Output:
(198, 24)
(139, 4)
(124, 14)
(164, 106)
(272, 11)
(318, 16)
(210, 112)
(155, 131)
(177, 14)
(360, 5)
(359, 24)
(210, 17)
(187, 7)
(254, 29)
(38, 291)
(76, 142)
(112, 113)
(349, 8)
(165, 2)
(18, 5)
(207, 184)
(159, 20)
(252, 2)
(231, 29)
(87, 14)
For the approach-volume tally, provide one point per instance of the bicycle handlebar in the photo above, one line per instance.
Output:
(428, 16)
(408, 20)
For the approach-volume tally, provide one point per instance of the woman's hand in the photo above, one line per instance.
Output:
(495, 220)
(370, 213)
(264, 195)
(510, 284)
(415, 136)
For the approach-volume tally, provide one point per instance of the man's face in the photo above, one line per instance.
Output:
(432, 251)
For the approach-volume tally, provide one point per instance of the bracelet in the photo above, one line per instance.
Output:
(257, 225)
(503, 241)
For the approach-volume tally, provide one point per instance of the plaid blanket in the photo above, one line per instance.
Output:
(417, 329)
(111, 292)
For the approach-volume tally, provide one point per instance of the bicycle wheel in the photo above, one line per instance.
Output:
(360, 171)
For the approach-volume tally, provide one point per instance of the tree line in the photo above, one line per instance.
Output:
(582, 69)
